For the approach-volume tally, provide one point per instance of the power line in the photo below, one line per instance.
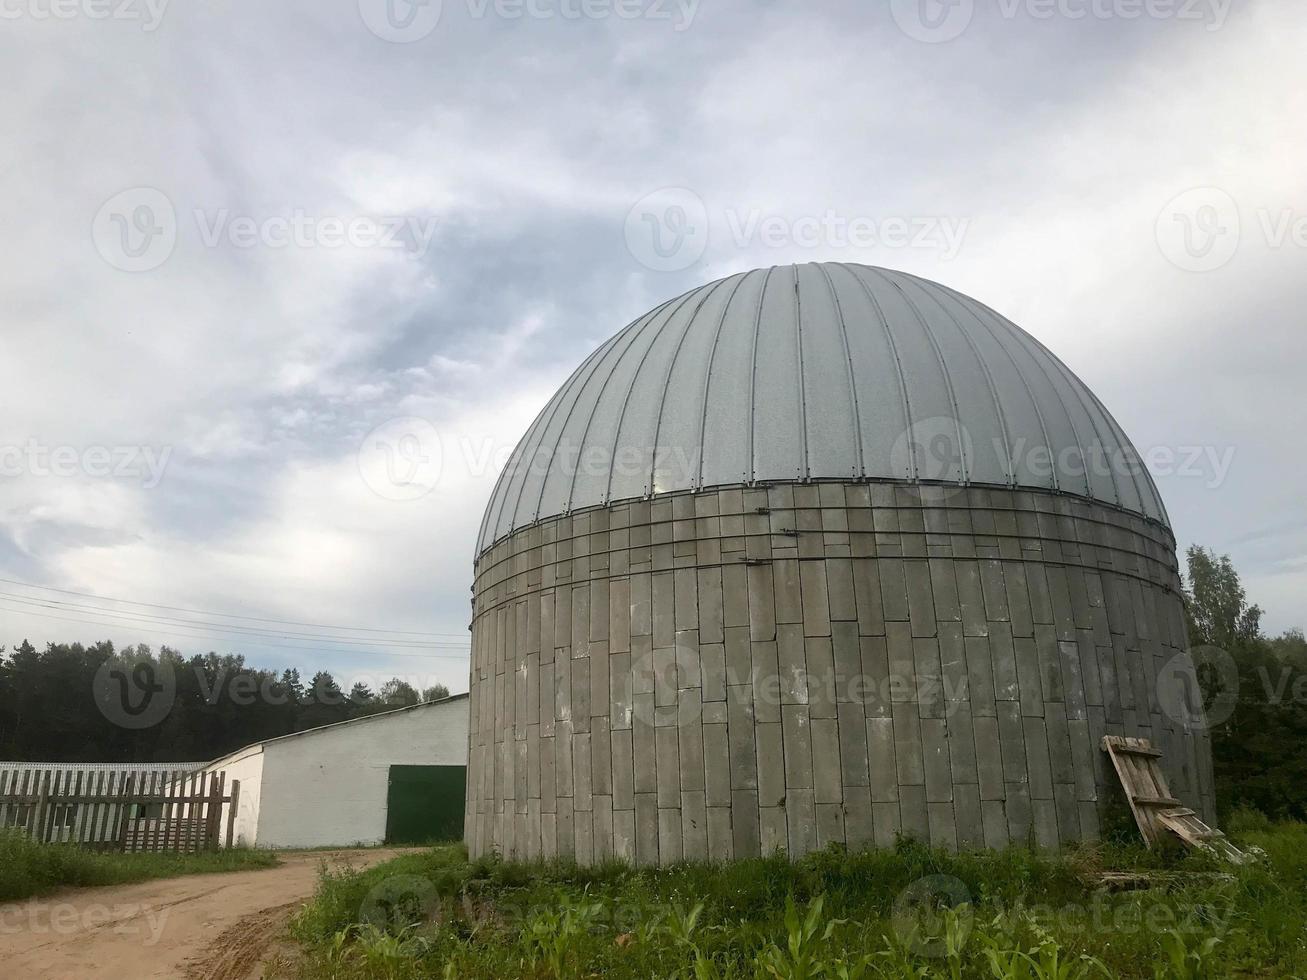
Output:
(284, 646)
(220, 615)
(253, 632)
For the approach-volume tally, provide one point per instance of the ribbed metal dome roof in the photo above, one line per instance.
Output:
(818, 371)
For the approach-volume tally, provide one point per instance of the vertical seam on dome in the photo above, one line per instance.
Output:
(1118, 434)
(667, 379)
(571, 490)
(898, 364)
(1075, 384)
(1123, 440)
(989, 380)
(804, 470)
(1089, 484)
(861, 469)
(626, 400)
(553, 452)
(948, 380)
(707, 380)
(751, 476)
(966, 303)
(552, 409)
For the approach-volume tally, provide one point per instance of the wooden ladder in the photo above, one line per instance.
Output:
(1157, 812)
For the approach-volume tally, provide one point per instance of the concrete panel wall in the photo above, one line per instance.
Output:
(723, 674)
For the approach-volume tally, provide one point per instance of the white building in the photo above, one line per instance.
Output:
(394, 777)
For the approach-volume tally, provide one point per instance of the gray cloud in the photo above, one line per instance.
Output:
(1058, 142)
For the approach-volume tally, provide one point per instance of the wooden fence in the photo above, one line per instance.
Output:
(121, 810)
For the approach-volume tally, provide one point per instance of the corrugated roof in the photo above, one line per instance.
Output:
(809, 372)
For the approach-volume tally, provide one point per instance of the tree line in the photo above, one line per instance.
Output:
(1259, 752)
(76, 703)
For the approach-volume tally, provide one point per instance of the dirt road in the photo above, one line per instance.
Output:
(212, 926)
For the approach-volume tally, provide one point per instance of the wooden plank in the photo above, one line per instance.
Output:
(21, 814)
(82, 817)
(72, 815)
(124, 808)
(1156, 811)
(192, 817)
(6, 778)
(219, 793)
(231, 812)
(100, 833)
(102, 807)
(154, 828)
(183, 812)
(42, 805)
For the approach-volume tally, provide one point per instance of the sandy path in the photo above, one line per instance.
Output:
(212, 926)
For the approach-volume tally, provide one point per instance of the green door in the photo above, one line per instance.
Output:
(425, 804)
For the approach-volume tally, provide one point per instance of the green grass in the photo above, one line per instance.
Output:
(831, 914)
(28, 868)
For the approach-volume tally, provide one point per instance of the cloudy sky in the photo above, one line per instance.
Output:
(242, 236)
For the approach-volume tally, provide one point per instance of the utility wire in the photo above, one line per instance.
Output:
(62, 605)
(202, 612)
(175, 631)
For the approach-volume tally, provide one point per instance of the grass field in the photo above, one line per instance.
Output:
(878, 914)
(28, 868)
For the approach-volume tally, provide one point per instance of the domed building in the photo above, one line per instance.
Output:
(813, 554)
